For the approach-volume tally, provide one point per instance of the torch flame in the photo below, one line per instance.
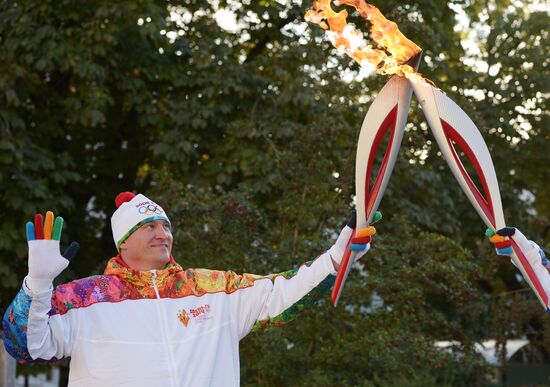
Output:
(394, 49)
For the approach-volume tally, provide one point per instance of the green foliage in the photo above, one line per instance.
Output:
(247, 136)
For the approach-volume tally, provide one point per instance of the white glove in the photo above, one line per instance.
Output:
(359, 244)
(530, 249)
(338, 250)
(45, 259)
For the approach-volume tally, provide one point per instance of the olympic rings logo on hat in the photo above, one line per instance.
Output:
(150, 209)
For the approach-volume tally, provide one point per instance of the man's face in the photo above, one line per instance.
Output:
(149, 247)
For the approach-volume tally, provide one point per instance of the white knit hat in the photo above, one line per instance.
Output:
(133, 211)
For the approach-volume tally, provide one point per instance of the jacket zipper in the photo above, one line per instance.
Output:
(164, 332)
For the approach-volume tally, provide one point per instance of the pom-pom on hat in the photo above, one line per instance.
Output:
(133, 211)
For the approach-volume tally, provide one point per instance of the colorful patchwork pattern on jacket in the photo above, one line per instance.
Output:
(119, 283)
(14, 327)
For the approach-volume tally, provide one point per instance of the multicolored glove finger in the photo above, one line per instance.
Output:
(48, 225)
(30, 231)
(38, 227)
(500, 239)
(57, 228)
(362, 238)
(506, 231)
(352, 222)
(71, 251)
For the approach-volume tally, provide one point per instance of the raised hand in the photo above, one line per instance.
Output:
(45, 259)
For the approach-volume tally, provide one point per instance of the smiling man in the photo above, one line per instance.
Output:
(147, 321)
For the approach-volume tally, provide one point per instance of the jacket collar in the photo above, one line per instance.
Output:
(117, 267)
(123, 263)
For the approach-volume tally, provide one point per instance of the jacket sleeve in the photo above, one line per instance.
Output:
(308, 301)
(31, 333)
(275, 299)
(540, 266)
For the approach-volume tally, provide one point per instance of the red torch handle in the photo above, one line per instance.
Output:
(343, 272)
(531, 276)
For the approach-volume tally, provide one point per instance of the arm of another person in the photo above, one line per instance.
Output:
(535, 256)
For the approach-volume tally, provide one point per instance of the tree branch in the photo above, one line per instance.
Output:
(269, 36)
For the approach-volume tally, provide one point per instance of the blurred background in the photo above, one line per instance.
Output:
(242, 121)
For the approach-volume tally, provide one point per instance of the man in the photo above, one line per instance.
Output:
(536, 259)
(147, 321)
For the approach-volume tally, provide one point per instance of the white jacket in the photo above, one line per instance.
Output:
(171, 327)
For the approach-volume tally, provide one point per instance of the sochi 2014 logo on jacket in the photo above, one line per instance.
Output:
(198, 315)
